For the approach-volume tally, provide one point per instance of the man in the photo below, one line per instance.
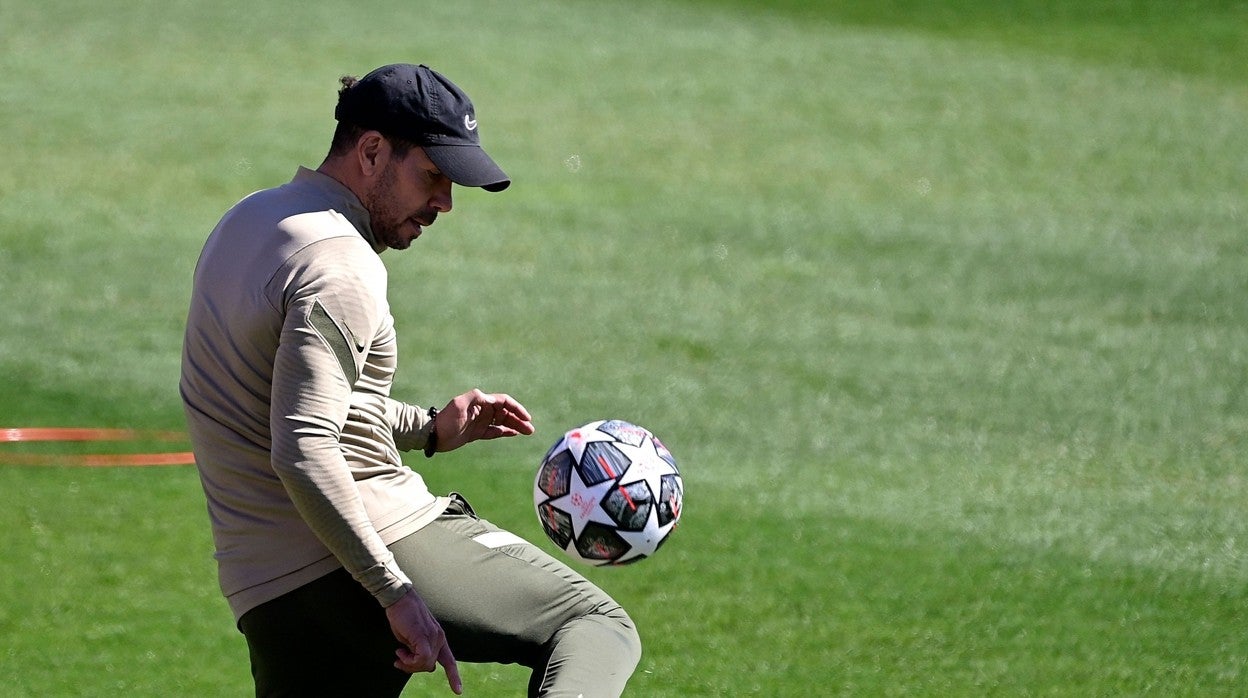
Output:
(344, 572)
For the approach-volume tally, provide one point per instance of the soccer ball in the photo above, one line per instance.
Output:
(608, 493)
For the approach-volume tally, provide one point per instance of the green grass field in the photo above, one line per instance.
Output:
(940, 306)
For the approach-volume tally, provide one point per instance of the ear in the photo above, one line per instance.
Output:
(372, 152)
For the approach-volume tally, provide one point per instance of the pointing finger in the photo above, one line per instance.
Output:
(447, 660)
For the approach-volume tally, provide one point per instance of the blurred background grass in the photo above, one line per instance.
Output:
(940, 306)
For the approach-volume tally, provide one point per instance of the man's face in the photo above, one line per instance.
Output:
(409, 194)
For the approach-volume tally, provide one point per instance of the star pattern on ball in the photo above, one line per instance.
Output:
(637, 540)
(600, 493)
(651, 470)
(581, 502)
(578, 439)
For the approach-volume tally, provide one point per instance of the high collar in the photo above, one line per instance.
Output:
(341, 199)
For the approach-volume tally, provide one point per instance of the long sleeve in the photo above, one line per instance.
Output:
(410, 424)
(317, 364)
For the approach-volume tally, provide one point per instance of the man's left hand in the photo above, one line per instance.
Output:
(476, 416)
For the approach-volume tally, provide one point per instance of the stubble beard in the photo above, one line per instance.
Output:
(385, 222)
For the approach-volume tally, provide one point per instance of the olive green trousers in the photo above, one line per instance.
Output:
(498, 599)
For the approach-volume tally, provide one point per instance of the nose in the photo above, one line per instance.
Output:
(441, 197)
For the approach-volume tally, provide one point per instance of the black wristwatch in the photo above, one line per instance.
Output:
(431, 441)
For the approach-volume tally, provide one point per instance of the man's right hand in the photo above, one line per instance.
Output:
(424, 643)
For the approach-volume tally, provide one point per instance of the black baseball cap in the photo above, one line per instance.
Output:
(417, 104)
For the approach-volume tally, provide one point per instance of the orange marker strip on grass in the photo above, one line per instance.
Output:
(34, 434)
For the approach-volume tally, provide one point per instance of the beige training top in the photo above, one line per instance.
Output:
(287, 365)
